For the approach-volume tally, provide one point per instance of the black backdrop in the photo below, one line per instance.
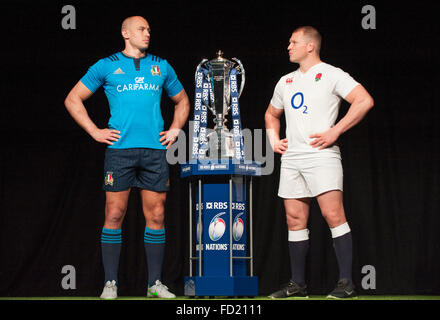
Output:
(52, 205)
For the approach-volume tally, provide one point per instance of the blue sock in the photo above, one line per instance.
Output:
(342, 242)
(343, 249)
(154, 241)
(298, 248)
(298, 253)
(111, 241)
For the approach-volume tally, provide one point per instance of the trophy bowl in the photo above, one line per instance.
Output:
(218, 73)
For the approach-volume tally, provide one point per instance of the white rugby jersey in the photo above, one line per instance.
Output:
(311, 104)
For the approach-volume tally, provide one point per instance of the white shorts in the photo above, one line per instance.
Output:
(309, 177)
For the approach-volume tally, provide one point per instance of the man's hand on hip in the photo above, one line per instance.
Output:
(169, 137)
(280, 146)
(106, 135)
(324, 139)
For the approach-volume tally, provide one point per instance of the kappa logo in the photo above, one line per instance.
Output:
(119, 71)
(139, 79)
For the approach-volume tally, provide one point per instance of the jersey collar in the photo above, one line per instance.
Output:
(308, 71)
(130, 57)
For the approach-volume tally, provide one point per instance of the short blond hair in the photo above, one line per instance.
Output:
(127, 21)
(312, 34)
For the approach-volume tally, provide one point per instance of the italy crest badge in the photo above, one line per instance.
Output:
(108, 180)
(155, 70)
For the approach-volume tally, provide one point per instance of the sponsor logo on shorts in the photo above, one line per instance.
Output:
(108, 180)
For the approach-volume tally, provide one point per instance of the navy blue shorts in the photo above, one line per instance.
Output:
(143, 168)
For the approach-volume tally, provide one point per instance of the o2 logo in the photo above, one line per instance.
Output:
(296, 105)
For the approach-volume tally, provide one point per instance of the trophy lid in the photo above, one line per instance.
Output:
(220, 57)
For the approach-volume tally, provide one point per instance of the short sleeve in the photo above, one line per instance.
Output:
(172, 85)
(344, 83)
(277, 98)
(94, 78)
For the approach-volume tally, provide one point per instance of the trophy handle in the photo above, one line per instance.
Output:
(198, 67)
(243, 75)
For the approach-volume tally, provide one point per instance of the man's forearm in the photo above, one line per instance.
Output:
(79, 113)
(181, 113)
(272, 129)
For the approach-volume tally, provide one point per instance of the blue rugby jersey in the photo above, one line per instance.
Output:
(133, 87)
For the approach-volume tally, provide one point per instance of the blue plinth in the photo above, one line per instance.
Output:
(215, 241)
(220, 167)
(221, 286)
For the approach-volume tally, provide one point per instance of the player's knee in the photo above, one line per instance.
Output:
(334, 217)
(295, 222)
(156, 213)
(114, 215)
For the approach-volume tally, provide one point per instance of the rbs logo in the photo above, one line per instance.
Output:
(217, 205)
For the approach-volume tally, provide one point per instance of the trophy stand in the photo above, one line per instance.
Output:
(220, 186)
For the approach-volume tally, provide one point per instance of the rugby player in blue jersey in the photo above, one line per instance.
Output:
(133, 80)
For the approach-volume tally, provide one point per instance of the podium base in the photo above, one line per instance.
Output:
(221, 286)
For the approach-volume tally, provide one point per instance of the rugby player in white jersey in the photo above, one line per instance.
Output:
(311, 161)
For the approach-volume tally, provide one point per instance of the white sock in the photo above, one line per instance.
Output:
(299, 235)
(340, 230)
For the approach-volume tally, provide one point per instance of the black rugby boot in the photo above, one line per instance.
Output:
(344, 289)
(290, 290)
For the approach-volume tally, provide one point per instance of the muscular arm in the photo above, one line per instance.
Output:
(75, 106)
(361, 102)
(272, 120)
(181, 111)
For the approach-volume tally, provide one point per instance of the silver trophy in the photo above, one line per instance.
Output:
(220, 141)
